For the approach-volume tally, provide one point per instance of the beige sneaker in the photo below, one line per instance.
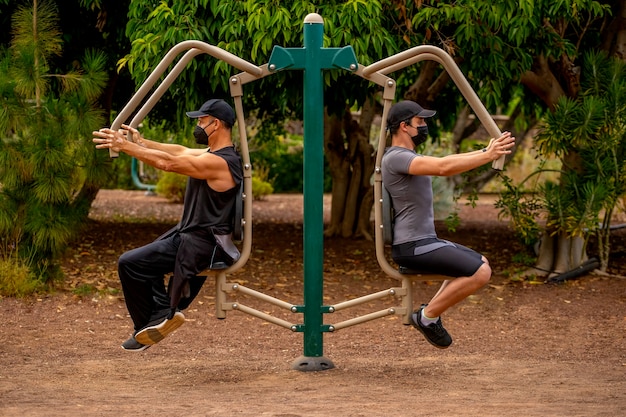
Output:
(152, 334)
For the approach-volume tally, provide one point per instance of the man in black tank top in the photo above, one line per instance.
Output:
(202, 236)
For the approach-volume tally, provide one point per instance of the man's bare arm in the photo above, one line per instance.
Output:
(458, 163)
(205, 165)
(133, 135)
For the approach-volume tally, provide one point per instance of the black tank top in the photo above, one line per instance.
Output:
(206, 208)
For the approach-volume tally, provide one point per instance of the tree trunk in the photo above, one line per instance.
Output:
(463, 127)
(557, 255)
(427, 85)
(368, 161)
(614, 37)
(542, 82)
(339, 165)
(351, 160)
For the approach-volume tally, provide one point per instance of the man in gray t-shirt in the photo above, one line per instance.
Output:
(407, 177)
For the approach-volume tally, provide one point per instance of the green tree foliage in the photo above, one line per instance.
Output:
(588, 133)
(250, 29)
(49, 169)
(497, 42)
(520, 56)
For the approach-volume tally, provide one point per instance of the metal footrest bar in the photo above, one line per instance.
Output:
(402, 292)
(223, 304)
(396, 291)
(259, 314)
(367, 317)
(229, 286)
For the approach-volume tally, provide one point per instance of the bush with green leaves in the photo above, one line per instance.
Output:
(261, 186)
(172, 186)
(588, 135)
(16, 278)
(283, 155)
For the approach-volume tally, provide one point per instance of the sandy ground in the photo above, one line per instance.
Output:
(519, 349)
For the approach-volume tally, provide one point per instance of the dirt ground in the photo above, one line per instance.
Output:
(520, 349)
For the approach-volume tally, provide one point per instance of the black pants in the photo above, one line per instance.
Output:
(142, 272)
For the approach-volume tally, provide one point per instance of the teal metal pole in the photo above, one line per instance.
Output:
(312, 59)
(135, 177)
(313, 187)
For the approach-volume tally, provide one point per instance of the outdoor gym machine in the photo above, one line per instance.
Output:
(313, 58)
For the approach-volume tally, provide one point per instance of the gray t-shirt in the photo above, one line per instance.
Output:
(411, 195)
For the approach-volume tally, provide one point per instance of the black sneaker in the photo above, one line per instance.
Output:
(132, 345)
(154, 333)
(434, 333)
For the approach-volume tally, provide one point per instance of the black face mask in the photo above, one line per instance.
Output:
(200, 135)
(422, 135)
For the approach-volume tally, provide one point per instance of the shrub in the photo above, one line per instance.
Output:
(16, 279)
(172, 186)
(261, 186)
(49, 169)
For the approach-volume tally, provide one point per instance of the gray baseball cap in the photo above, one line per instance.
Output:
(405, 110)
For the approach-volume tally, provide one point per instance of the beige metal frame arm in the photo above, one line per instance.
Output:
(432, 53)
(377, 74)
(222, 305)
(194, 48)
(389, 92)
(405, 291)
(236, 91)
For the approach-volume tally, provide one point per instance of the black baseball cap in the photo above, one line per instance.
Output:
(405, 110)
(217, 108)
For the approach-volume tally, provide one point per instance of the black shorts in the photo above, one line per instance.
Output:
(437, 256)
